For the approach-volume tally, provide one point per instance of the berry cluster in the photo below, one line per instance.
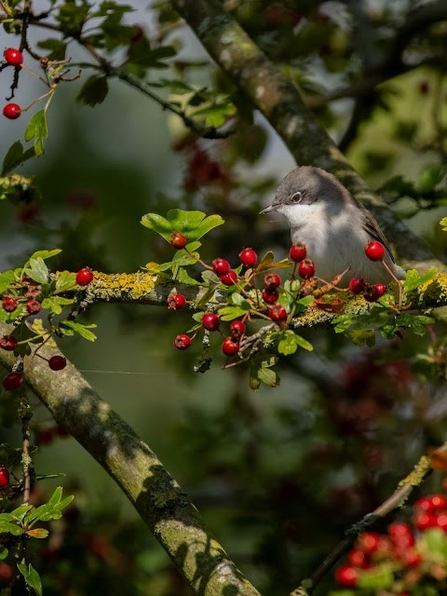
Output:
(13, 57)
(404, 557)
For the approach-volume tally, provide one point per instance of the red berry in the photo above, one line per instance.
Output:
(401, 535)
(437, 502)
(210, 321)
(9, 304)
(368, 542)
(272, 281)
(84, 276)
(182, 342)
(4, 477)
(357, 285)
(298, 252)
(375, 251)
(12, 111)
(248, 257)
(410, 557)
(13, 57)
(423, 503)
(230, 278)
(57, 362)
(424, 520)
(381, 289)
(8, 342)
(33, 307)
(306, 269)
(220, 266)
(358, 558)
(176, 301)
(277, 313)
(12, 381)
(178, 240)
(371, 294)
(346, 575)
(230, 347)
(441, 521)
(237, 329)
(270, 296)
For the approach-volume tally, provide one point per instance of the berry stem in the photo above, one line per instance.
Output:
(399, 285)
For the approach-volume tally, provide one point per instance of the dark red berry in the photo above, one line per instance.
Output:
(357, 285)
(13, 57)
(211, 321)
(346, 576)
(277, 313)
(4, 477)
(33, 307)
(237, 329)
(270, 296)
(375, 251)
(182, 342)
(371, 294)
(298, 252)
(8, 342)
(220, 266)
(176, 301)
(12, 111)
(57, 362)
(272, 281)
(306, 269)
(230, 347)
(381, 289)
(9, 304)
(248, 257)
(139, 32)
(178, 240)
(12, 381)
(230, 278)
(424, 520)
(84, 276)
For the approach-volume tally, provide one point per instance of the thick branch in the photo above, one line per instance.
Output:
(157, 497)
(280, 102)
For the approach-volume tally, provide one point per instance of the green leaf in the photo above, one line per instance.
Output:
(56, 48)
(52, 509)
(37, 270)
(56, 303)
(261, 372)
(69, 328)
(32, 578)
(16, 156)
(9, 526)
(45, 254)
(436, 541)
(228, 313)
(183, 277)
(289, 342)
(192, 224)
(94, 91)
(377, 578)
(430, 177)
(175, 86)
(416, 323)
(414, 280)
(3, 552)
(6, 279)
(37, 129)
(65, 280)
(363, 337)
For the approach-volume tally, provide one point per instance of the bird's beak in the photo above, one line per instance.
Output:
(267, 209)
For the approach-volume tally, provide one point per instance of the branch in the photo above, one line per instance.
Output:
(157, 497)
(280, 102)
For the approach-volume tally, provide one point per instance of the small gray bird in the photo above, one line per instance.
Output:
(334, 226)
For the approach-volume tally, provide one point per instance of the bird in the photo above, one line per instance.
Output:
(333, 225)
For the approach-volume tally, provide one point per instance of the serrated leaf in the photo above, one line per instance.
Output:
(56, 303)
(192, 224)
(71, 327)
(228, 313)
(416, 323)
(94, 91)
(37, 129)
(269, 377)
(45, 254)
(32, 578)
(6, 279)
(37, 270)
(65, 280)
(414, 280)
(15, 156)
(183, 277)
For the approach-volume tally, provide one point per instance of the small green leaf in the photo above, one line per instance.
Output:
(362, 337)
(69, 328)
(32, 578)
(414, 280)
(193, 224)
(93, 91)
(6, 279)
(228, 313)
(56, 303)
(65, 280)
(37, 129)
(44, 254)
(37, 270)
(3, 552)
(16, 156)
(8, 526)
(443, 223)
(56, 48)
(430, 177)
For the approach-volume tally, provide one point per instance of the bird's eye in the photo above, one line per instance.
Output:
(297, 196)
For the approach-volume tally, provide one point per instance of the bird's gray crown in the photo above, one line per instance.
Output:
(305, 184)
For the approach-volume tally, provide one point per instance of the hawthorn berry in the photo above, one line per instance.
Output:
(9, 304)
(357, 558)
(437, 501)
(270, 295)
(182, 341)
(401, 535)
(84, 276)
(375, 251)
(221, 266)
(230, 278)
(176, 301)
(298, 252)
(33, 307)
(346, 576)
(357, 285)
(381, 289)
(248, 257)
(277, 313)
(371, 293)
(57, 362)
(237, 329)
(178, 240)
(306, 269)
(12, 381)
(211, 321)
(13, 57)
(424, 520)
(8, 342)
(369, 542)
(4, 477)
(230, 347)
(272, 280)
(12, 111)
